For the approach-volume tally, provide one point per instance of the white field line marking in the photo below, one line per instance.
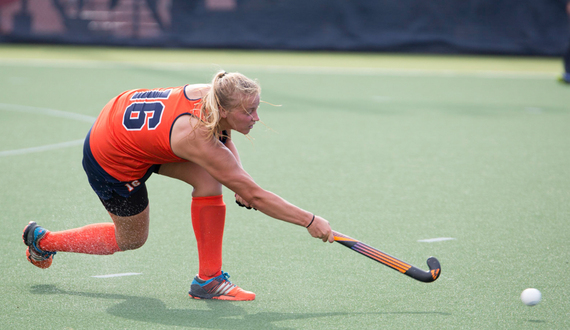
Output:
(116, 275)
(439, 239)
(48, 112)
(353, 71)
(534, 110)
(41, 148)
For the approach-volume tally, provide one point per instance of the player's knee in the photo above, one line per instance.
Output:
(211, 189)
(133, 243)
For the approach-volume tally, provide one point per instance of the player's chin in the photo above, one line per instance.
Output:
(244, 131)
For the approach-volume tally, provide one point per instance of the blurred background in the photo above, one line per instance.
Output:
(509, 27)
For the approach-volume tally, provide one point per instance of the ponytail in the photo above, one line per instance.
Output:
(228, 91)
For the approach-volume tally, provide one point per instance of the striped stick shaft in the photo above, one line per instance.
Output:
(371, 252)
(381, 257)
(390, 261)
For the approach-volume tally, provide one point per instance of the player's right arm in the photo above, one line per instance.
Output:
(191, 142)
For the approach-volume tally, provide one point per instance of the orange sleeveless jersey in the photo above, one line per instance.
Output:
(132, 131)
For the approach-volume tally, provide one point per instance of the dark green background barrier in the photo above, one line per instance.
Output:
(526, 27)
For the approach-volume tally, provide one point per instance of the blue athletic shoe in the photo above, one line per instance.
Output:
(218, 287)
(31, 236)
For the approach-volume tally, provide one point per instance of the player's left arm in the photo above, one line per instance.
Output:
(232, 147)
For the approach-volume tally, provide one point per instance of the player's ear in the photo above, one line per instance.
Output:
(223, 112)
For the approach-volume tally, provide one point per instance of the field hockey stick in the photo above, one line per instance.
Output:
(388, 260)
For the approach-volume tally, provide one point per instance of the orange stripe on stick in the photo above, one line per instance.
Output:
(344, 239)
(383, 257)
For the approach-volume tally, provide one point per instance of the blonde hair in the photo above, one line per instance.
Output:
(229, 91)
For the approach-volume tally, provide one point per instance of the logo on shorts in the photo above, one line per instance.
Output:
(132, 185)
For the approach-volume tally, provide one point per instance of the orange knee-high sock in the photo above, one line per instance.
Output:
(97, 238)
(208, 220)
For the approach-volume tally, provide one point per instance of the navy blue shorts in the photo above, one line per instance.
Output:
(120, 198)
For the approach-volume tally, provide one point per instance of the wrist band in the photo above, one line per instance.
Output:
(310, 223)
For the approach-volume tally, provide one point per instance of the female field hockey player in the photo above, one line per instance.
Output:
(184, 133)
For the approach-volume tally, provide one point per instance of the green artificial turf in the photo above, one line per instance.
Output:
(391, 149)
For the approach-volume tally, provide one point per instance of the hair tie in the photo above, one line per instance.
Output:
(223, 74)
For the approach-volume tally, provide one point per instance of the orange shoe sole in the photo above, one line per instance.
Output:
(237, 294)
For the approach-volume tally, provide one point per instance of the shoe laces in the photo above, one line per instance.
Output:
(226, 276)
(39, 255)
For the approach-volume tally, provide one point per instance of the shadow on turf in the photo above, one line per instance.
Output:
(222, 315)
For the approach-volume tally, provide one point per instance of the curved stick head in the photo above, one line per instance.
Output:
(434, 267)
